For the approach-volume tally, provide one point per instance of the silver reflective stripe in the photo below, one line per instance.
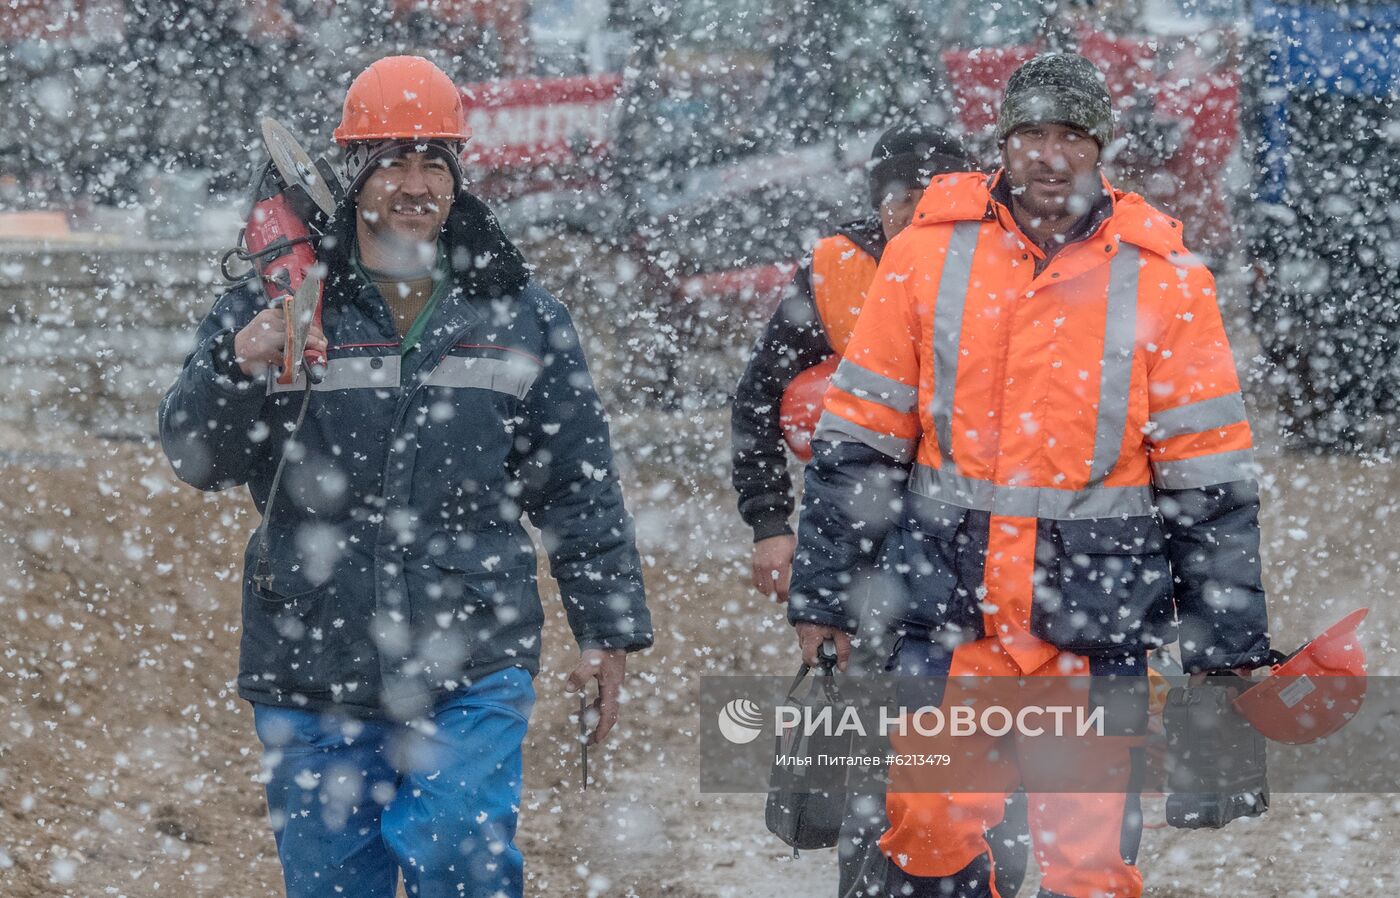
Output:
(1205, 470)
(866, 384)
(836, 429)
(933, 513)
(947, 330)
(353, 373)
(512, 375)
(1196, 417)
(1119, 341)
(1030, 501)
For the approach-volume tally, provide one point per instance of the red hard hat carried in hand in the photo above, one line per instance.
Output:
(802, 406)
(1312, 693)
(402, 98)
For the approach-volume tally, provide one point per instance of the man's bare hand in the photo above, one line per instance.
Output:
(772, 565)
(262, 341)
(811, 636)
(609, 668)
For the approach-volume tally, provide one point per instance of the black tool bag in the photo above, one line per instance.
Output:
(807, 801)
(1216, 761)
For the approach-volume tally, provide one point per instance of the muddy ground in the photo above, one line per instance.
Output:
(128, 765)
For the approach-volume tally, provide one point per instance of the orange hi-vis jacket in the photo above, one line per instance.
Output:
(841, 276)
(1044, 414)
(813, 321)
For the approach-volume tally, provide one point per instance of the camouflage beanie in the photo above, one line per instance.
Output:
(1064, 88)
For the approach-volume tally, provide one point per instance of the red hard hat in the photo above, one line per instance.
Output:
(802, 406)
(402, 98)
(1315, 691)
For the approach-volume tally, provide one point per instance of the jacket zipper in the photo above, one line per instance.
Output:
(400, 416)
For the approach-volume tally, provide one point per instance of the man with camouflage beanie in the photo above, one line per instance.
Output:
(1056, 100)
(1036, 437)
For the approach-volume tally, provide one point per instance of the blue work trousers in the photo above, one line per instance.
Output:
(355, 802)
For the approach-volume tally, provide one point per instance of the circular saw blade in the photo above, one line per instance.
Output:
(295, 166)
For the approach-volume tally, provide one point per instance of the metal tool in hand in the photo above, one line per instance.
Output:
(301, 313)
(301, 297)
(292, 202)
(583, 732)
(295, 165)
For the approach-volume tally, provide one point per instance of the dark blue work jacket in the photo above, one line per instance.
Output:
(399, 566)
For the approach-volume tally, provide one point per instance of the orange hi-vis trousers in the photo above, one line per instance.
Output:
(1084, 842)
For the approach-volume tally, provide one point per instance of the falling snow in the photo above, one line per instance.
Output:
(665, 168)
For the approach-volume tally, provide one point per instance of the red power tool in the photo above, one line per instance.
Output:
(293, 201)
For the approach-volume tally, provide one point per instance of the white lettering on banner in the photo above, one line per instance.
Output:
(893, 722)
(938, 721)
(1094, 722)
(850, 723)
(527, 126)
(793, 761)
(1023, 727)
(962, 721)
(820, 720)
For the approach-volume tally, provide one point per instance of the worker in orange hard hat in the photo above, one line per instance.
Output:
(391, 617)
(1037, 438)
(401, 101)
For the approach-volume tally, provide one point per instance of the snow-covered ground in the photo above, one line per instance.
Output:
(127, 765)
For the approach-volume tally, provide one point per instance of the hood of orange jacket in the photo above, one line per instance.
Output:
(967, 196)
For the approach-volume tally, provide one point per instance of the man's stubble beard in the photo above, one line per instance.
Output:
(409, 246)
(1074, 206)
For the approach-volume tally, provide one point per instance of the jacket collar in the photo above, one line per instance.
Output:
(866, 233)
(484, 261)
(963, 196)
(1135, 222)
(968, 196)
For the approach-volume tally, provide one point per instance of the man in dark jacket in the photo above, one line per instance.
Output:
(814, 322)
(391, 619)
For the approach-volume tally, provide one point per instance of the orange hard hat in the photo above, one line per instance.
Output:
(802, 406)
(402, 97)
(1312, 693)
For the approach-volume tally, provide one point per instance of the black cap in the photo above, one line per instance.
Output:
(911, 153)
